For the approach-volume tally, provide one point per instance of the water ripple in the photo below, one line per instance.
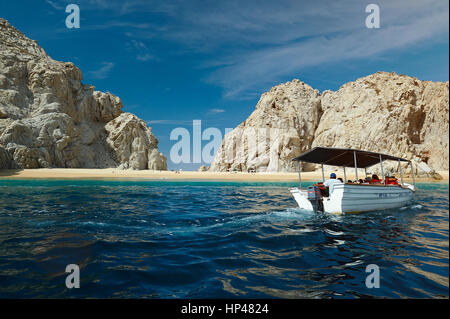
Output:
(202, 239)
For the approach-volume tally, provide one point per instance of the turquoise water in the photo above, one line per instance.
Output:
(148, 239)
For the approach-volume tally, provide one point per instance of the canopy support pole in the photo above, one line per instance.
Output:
(412, 174)
(365, 172)
(323, 175)
(382, 171)
(345, 176)
(356, 165)
(299, 165)
(401, 172)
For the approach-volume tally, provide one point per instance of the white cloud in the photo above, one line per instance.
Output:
(117, 24)
(55, 5)
(145, 57)
(216, 111)
(169, 122)
(262, 66)
(402, 27)
(140, 49)
(252, 44)
(102, 72)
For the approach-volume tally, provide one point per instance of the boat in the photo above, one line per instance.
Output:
(352, 196)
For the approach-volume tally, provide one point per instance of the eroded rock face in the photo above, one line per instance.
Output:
(5, 159)
(383, 112)
(281, 127)
(48, 118)
(133, 143)
(388, 113)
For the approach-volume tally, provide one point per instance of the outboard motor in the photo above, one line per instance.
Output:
(315, 197)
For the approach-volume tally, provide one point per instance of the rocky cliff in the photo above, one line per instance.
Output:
(383, 112)
(48, 118)
(281, 127)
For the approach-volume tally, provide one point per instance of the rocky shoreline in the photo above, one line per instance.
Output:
(383, 112)
(48, 118)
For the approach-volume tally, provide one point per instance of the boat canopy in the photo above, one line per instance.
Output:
(344, 157)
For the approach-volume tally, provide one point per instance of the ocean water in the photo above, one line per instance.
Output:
(185, 239)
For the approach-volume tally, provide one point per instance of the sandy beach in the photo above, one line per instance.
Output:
(111, 173)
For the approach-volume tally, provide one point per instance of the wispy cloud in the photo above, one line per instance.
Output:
(141, 51)
(249, 45)
(124, 7)
(403, 25)
(216, 111)
(169, 122)
(55, 5)
(102, 72)
(254, 68)
(117, 24)
(145, 57)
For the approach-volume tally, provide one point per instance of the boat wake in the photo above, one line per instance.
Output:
(416, 206)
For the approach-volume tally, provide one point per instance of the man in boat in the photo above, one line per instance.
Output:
(331, 181)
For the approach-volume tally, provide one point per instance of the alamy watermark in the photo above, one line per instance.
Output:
(73, 279)
(73, 19)
(373, 279)
(373, 19)
(253, 144)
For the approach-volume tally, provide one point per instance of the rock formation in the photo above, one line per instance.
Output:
(281, 127)
(5, 159)
(389, 113)
(48, 118)
(383, 112)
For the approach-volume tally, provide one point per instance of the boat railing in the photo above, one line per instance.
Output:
(373, 158)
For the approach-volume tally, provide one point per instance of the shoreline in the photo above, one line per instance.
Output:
(117, 174)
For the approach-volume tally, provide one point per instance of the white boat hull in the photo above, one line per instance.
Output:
(353, 198)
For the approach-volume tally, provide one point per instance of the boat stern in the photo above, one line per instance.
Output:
(301, 197)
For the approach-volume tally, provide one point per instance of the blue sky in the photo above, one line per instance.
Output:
(175, 61)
